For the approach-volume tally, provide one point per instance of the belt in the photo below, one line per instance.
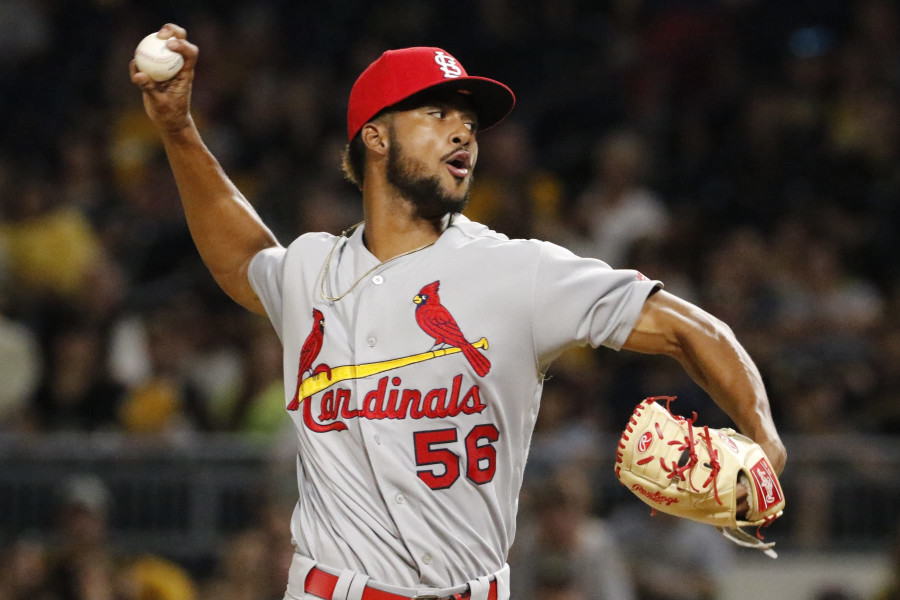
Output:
(322, 584)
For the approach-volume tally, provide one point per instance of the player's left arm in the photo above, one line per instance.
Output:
(710, 353)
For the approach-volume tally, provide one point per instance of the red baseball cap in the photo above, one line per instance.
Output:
(398, 74)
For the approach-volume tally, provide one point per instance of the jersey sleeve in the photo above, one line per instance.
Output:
(266, 274)
(581, 301)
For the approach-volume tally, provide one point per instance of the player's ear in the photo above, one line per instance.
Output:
(375, 136)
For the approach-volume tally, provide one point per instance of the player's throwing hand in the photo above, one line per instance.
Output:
(168, 103)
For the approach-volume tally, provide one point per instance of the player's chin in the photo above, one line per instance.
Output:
(438, 206)
(456, 186)
(452, 206)
(456, 200)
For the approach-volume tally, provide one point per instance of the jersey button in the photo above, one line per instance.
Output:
(378, 280)
(426, 559)
(400, 498)
(371, 341)
(377, 439)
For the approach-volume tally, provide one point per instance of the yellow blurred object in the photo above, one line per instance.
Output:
(150, 407)
(135, 143)
(546, 191)
(51, 252)
(541, 193)
(482, 206)
(159, 579)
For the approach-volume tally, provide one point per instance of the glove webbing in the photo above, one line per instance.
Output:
(687, 445)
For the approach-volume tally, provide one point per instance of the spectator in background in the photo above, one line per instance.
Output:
(20, 370)
(817, 295)
(881, 398)
(617, 208)
(254, 405)
(564, 551)
(82, 169)
(23, 571)
(154, 578)
(737, 285)
(84, 565)
(50, 246)
(168, 400)
(515, 193)
(255, 563)
(661, 549)
(568, 430)
(81, 565)
(556, 581)
(78, 394)
(243, 571)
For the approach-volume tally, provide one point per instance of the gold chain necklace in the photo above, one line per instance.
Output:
(345, 235)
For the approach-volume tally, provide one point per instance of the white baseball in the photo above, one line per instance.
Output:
(156, 60)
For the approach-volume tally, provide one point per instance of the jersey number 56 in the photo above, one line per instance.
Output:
(444, 464)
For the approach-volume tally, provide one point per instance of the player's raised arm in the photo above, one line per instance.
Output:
(708, 350)
(227, 231)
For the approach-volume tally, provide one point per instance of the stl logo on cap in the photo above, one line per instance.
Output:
(448, 65)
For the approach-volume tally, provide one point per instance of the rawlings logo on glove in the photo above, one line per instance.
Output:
(697, 472)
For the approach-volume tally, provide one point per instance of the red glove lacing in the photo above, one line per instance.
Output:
(688, 444)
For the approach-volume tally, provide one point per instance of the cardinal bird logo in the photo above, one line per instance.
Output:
(311, 348)
(436, 321)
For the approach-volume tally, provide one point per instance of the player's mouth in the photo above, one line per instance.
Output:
(459, 163)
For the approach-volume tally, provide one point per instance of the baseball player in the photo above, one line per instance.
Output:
(415, 344)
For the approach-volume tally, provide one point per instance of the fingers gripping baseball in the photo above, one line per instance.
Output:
(168, 102)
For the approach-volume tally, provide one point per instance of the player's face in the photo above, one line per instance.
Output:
(432, 154)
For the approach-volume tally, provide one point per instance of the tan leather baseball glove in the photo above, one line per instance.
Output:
(697, 472)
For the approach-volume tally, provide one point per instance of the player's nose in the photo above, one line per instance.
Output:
(462, 131)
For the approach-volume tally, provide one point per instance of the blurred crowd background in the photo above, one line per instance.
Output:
(745, 152)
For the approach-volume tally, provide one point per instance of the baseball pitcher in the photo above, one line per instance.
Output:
(416, 342)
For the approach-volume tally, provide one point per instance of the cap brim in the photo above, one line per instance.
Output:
(493, 101)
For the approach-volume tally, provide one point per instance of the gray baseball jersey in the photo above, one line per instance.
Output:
(415, 395)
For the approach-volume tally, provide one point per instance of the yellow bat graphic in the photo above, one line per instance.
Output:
(319, 381)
